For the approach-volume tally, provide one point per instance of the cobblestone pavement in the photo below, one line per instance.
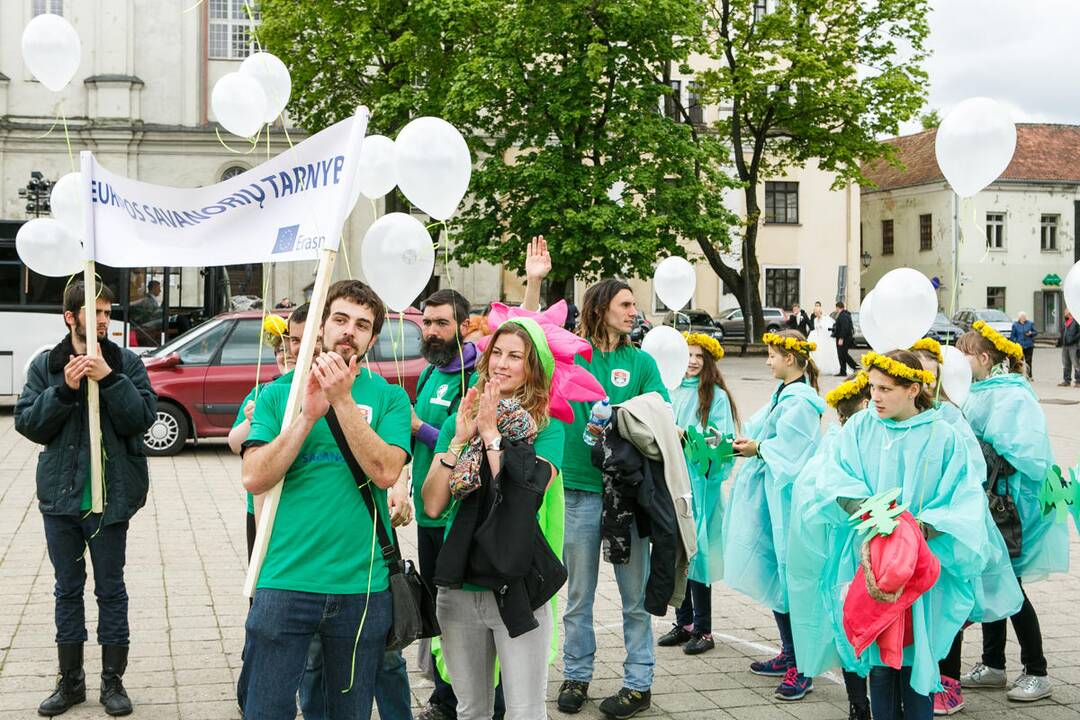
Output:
(186, 566)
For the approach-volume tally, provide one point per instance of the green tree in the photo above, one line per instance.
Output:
(930, 119)
(563, 101)
(808, 80)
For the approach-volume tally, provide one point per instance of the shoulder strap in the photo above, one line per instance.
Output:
(457, 400)
(425, 375)
(389, 549)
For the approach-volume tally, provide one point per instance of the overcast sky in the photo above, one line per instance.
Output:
(1023, 53)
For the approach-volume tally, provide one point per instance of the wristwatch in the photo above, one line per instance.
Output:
(495, 444)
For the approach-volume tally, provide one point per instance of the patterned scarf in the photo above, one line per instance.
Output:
(514, 424)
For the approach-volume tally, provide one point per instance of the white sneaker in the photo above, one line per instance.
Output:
(983, 676)
(1030, 688)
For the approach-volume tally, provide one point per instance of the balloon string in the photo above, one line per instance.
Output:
(262, 331)
(450, 283)
(250, 150)
(251, 25)
(51, 127)
(193, 7)
(67, 139)
(345, 254)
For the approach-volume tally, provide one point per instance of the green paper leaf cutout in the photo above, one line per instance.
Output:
(1059, 495)
(700, 451)
(877, 515)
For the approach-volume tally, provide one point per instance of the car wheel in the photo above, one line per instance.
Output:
(169, 432)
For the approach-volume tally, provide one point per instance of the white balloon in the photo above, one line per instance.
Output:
(398, 258)
(66, 201)
(905, 306)
(239, 104)
(1071, 287)
(668, 348)
(674, 282)
(376, 170)
(433, 166)
(48, 248)
(875, 337)
(955, 375)
(615, 192)
(975, 144)
(274, 79)
(52, 50)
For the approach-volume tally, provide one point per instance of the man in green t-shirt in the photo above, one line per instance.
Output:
(607, 316)
(323, 572)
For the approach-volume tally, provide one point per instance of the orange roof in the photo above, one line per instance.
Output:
(1044, 152)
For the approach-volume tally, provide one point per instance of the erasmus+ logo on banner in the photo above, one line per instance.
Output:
(287, 208)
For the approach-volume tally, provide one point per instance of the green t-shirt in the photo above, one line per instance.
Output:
(625, 373)
(287, 379)
(548, 446)
(324, 539)
(440, 392)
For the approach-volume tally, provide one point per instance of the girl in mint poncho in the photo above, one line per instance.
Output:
(703, 402)
(1005, 415)
(809, 542)
(902, 442)
(780, 439)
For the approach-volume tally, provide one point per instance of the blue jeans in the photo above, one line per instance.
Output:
(891, 696)
(581, 553)
(278, 634)
(67, 539)
(392, 695)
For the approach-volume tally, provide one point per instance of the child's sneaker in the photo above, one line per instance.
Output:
(794, 686)
(775, 667)
(951, 699)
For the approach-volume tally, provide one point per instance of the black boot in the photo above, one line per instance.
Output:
(113, 695)
(71, 685)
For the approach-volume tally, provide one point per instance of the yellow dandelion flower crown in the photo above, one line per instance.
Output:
(896, 369)
(931, 346)
(706, 342)
(274, 329)
(1005, 346)
(848, 390)
(803, 347)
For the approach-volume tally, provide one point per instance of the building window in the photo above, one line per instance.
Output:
(781, 287)
(658, 306)
(995, 298)
(231, 30)
(782, 202)
(995, 231)
(47, 7)
(672, 100)
(1049, 232)
(886, 237)
(693, 104)
(926, 232)
(761, 7)
(232, 172)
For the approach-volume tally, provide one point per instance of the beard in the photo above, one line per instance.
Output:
(437, 351)
(346, 353)
(80, 332)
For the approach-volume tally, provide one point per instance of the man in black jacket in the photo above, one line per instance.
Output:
(844, 332)
(799, 320)
(1070, 351)
(52, 411)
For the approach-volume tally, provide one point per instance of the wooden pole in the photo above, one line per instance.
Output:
(327, 258)
(93, 396)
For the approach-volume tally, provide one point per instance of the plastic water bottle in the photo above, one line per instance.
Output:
(599, 416)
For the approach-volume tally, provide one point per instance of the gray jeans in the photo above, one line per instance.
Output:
(473, 636)
(1070, 361)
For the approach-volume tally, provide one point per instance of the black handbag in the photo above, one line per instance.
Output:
(1002, 507)
(413, 601)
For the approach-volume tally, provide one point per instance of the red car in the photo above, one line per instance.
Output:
(202, 376)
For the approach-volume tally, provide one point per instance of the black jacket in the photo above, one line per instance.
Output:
(843, 328)
(495, 540)
(1071, 334)
(635, 492)
(52, 414)
(800, 322)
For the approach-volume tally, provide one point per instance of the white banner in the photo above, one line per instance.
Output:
(287, 208)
